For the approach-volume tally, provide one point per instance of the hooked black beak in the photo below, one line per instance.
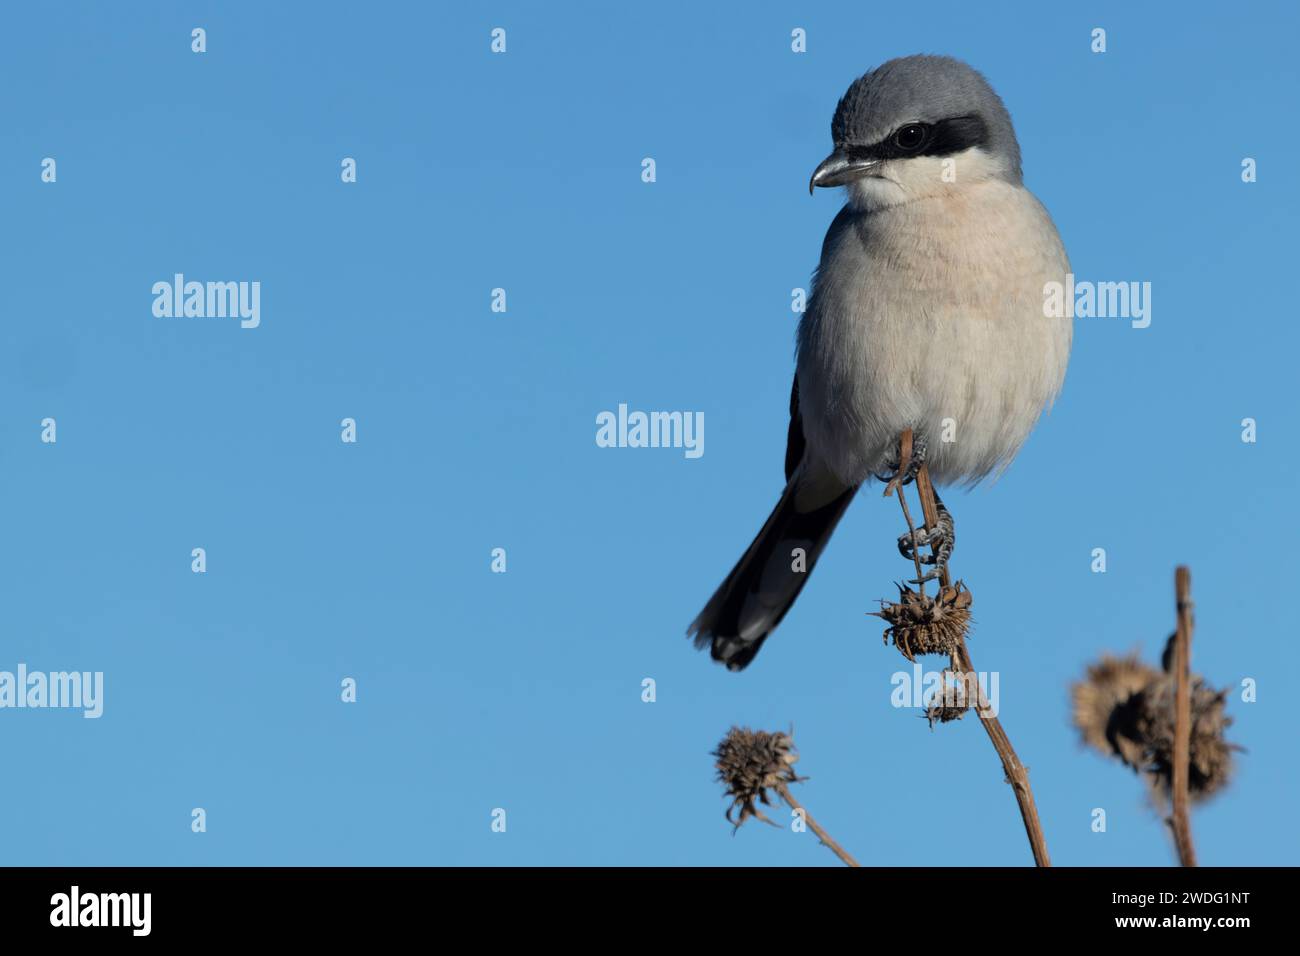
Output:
(841, 167)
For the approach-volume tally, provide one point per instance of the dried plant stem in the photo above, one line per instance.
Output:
(904, 462)
(822, 835)
(1181, 822)
(930, 509)
(1015, 771)
(1017, 776)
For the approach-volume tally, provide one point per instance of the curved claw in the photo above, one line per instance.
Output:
(907, 549)
(919, 447)
(941, 539)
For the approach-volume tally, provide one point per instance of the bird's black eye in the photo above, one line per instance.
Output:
(911, 136)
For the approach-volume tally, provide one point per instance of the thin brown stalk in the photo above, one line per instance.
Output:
(822, 835)
(1015, 771)
(1181, 821)
(930, 509)
(896, 484)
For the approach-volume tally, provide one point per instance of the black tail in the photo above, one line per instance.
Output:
(763, 585)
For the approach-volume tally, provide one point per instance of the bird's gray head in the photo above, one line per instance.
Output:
(918, 126)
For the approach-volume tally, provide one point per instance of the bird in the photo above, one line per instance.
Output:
(926, 312)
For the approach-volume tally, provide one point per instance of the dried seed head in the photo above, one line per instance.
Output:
(1125, 709)
(945, 713)
(1104, 710)
(1210, 766)
(750, 762)
(920, 624)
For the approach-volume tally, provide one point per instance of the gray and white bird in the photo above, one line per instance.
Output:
(927, 312)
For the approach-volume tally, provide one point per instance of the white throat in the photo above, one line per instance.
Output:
(897, 181)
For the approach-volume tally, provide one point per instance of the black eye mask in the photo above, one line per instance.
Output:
(948, 136)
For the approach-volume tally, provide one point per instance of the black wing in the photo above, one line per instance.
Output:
(845, 221)
(794, 443)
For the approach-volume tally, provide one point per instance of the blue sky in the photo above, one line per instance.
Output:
(476, 430)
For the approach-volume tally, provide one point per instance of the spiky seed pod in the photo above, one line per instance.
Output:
(951, 699)
(750, 762)
(1105, 708)
(920, 624)
(1125, 709)
(1210, 766)
(945, 713)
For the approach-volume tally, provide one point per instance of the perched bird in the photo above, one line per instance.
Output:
(927, 312)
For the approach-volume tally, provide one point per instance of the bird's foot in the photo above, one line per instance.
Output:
(896, 473)
(941, 539)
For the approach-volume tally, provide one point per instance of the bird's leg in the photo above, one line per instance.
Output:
(941, 538)
(910, 462)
